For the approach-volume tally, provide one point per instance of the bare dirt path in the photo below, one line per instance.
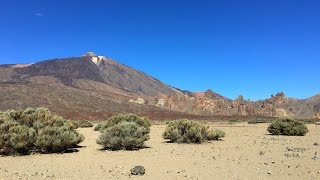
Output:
(247, 152)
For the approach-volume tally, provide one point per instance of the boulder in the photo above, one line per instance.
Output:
(138, 171)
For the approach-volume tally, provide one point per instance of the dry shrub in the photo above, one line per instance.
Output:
(127, 132)
(186, 131)
(39, 130)
(126, 135)
(287, 127)
(81, 124)
(117, 119)
(216, 134)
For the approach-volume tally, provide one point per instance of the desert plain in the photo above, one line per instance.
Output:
(247, 152)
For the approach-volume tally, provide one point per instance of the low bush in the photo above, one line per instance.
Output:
(81, 124)
(56, 139)
(233, 121)
(141, 121)
(127, 132)
(98, 127)
(215, 134)
(125, 135)
(308, 121)
(186, 131)
(257, 121)
(287, 127)
(37, 130)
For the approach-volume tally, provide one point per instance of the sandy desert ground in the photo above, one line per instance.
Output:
(247, 152)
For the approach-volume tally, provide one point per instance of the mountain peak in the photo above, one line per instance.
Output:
(209, 93)
(90, 54)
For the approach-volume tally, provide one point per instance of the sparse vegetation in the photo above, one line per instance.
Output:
(215, 134)
(233, 121)
(186, 131)
(257, 121)
(98, 127)
(127, 132)
(81, 124)
(36, 130)
(309, 121)
(141, 121)
(287, 127)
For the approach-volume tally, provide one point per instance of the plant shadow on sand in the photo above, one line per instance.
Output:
(203, 143)
(74, 149)
(122, 149)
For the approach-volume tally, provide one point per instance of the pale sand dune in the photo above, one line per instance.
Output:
(236, 157)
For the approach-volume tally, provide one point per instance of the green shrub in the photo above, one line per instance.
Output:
(141, 121)
(98, 127)
(85, 124)
(233, 121)
(125, 135)
(186, 131)
(309, 121)
(257, 121)
(57, 139)
(287, 127)
(30, 116)
(215, 134)
(80, 124)
(73, 124)
(23, 131)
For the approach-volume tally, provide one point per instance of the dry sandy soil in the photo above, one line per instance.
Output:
(247, 152)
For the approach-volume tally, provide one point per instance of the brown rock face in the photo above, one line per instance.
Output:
(94, 87)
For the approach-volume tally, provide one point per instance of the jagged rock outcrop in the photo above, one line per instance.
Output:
(138, 101)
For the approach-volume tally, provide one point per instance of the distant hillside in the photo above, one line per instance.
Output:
(94, 87)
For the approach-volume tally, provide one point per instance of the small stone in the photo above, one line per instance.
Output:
(269, 172)
(138, 171)
(265, 163)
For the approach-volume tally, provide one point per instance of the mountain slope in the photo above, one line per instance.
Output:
(96, 68)
(94, 87)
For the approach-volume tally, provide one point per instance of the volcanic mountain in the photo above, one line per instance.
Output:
(95, 87)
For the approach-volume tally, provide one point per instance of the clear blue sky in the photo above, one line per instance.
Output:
(250, 47)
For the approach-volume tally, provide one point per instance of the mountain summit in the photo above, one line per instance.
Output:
(100, 69)
(90, 54)
(95, 87)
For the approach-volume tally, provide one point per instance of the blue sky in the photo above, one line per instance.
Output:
(251, 47)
